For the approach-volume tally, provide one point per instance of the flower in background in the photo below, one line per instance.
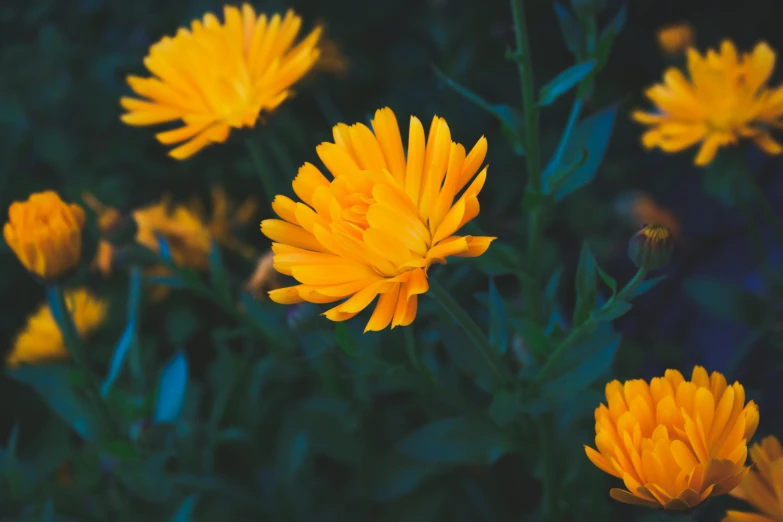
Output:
(264, 277)
(216, 76)
(378, 225)
(675, 38)
(45, 233)
(224, 219)
(640, 208)
(674, 442)
(726, 98)
(763, 487)
(41, 340)
(332, 60)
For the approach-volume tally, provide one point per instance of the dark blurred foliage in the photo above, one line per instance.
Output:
(63, 65)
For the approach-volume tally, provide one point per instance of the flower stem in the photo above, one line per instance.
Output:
(262, 169)
(772, 218)
(532, 157)
(73, 342)
(472, 330)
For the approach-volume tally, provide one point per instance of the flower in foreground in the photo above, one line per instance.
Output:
(674, 442)
(763, 487)
(378, 225)
(215, 76)
(41, 340)
(675, 38)
(726, 98)
(45, 233)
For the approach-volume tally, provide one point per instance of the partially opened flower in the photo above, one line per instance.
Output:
(674, 442)
(45, 233)
(763, 487)
(725, 98)
(215, 76)
(41, 340)
(377, 226)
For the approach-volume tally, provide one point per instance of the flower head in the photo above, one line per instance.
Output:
(41, 341)
(763, 487)
(675, 38)
(217, 76)
(45, 233)
(225, 218)
(725, 98)
(651, 247)
(674, 442)
(378, 225)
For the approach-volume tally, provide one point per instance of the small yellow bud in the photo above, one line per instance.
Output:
(45, 233)
(651, 247)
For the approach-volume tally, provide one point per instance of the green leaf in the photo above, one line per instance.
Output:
(296, 454)
(591, 369)
(502, 259)
(561, 174)
(564, 82)
(509, 117)
(47, 513)
(53, 384)
(122, 449)
(728, 301)
(395, 476)
(498, 320)
(592, 135)
(181, 323)
(217, 273)
(128, 337)
(612, 312)
(164, 251)
(586, 285)
(608, 34)
(533, 336)
(184, 512)
(505, 407)
(645, 286)
(171, 390)
(456, 440)
(609, 280)
(345, 340)
(570, 28)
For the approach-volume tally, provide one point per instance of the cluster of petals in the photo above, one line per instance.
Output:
(763, 487)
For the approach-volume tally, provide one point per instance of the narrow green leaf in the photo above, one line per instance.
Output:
(570, 28)
(164, 251)
(297, 452)
(609, 280)
(185, 510)
(171, 390)
(564, 82)
(217, 273)
(562, 174)
(498, 320)
(456, 440)
(645, 286)
(608, 34)
(502, 259)
(612, 312)
(588, 371)
(345, 340)
(395, 476)
(505, 407)
(534, 337)
(128, 338)
(586, 285)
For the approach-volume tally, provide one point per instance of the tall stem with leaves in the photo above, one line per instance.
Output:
(524, 62)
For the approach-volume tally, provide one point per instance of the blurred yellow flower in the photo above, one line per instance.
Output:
(216, 76)
(264, 277)
(725, 98)
(41, 341)
(224, 219)
(675, 38)
(376, 228)
(763, 487)
(674, 442)
(332, 59)
(45, 233)
(640, 208)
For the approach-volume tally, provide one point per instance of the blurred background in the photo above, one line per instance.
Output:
(62, 71)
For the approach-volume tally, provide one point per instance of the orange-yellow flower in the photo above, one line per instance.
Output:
(674, 442)
(216, 76)
(726, 98)
(763, 487)
(45, 233)
(675, 38)
(41, 340)
(379, 224)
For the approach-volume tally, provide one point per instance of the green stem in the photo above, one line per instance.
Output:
(262, 169)
(532, 156)
(767, 210)
(73, 342)
(472, 330)
(577, 333)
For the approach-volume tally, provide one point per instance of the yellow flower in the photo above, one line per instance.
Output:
(41, 340)
(675, 38)
(45, 233)
(763, 487)
(381, 222)
(674, 442)
(215, 77)
(224, 220)
(726, 98)
(332, 59)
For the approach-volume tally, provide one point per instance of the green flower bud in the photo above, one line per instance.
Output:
(651, 247)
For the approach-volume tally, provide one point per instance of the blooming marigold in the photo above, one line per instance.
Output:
(675, 38)
(726, 98)
(41, 340)
(45, 233)
(763, 487)
(218, 76)
(674, 442)
(381, 222)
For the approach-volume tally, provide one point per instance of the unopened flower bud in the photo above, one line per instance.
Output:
(651, 247)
